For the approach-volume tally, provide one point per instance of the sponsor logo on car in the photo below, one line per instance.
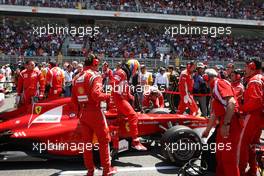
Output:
(38, 109)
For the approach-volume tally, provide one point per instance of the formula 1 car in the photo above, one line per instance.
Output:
(50, 128)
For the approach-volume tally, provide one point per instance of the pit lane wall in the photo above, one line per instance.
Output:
(117, 15)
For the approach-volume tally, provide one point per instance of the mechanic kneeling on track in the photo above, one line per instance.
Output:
(87, 95)
(153, 98)
(225, 109)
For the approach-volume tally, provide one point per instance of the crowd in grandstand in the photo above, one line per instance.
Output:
(226, 9)
(20, 41)
(136, 41)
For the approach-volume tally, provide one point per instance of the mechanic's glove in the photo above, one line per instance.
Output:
(41, 95)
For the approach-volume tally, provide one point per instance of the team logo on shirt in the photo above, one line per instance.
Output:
(80, 90)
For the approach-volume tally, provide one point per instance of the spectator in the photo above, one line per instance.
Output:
(173, 78)
(68, 81)
(74, 65)
(162, 80)
(78, 70)
(200, 88)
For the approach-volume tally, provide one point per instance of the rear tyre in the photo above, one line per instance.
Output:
(180, 144)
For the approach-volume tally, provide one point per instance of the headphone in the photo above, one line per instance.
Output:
(93, 60)
(206, 77)
(252, 65)
(238, 74)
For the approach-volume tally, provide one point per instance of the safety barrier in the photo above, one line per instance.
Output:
(178, 93)
(149, 62)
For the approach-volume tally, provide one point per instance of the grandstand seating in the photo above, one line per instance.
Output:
(226, 9)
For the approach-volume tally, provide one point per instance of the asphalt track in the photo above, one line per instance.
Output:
(130, 163)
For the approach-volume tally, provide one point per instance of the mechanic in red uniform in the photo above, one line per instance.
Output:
(55, 80)
(254, 122)
(238, 87)
(121, 96)
(28, 81)
(107, 72)
(186, 83)
(153, 98)
(225, 108)
(87, 95)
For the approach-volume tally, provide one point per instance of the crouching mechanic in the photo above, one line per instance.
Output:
(153, 98)
(28, 82)
(186, 83)
(87, 95)
(121, 96)
(253, 108)
(224, 108)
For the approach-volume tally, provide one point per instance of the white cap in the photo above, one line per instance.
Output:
(211, 72)
(80, 65)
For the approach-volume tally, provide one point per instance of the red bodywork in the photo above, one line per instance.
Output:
(55, 123)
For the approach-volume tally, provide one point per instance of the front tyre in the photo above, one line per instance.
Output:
(180, 144)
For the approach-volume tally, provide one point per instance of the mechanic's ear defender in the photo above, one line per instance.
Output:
(238, 73)
(238, 76)
(205, 77)
(252, 66)
(94, 60)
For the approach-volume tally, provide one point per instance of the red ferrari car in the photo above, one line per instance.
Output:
(50, 128)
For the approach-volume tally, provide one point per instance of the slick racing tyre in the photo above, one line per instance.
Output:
(159, 111)
(180, 144)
